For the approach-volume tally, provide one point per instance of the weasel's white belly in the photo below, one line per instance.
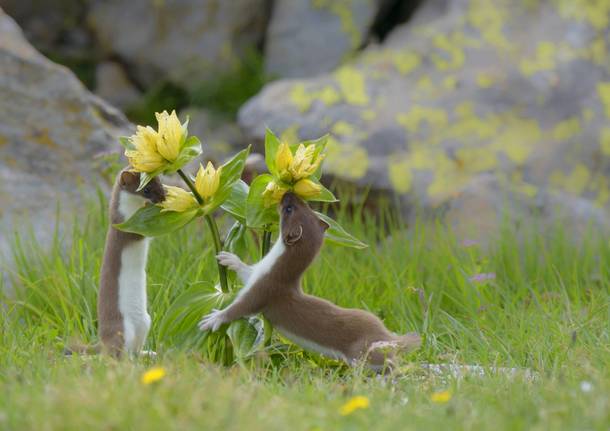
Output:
(132, 295)
(311, 346)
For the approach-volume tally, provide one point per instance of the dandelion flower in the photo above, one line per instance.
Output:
(153, 375)
(355, 403)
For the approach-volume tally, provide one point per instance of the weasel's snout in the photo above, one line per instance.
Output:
(159, 196)
(288, 198)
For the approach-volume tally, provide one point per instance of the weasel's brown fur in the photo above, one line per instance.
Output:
(348, 334)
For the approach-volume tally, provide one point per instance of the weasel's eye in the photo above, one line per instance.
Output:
(288, 209)
(147, 190)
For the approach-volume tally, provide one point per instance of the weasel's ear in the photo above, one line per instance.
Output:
(324, 225)
(129, 178)
(291, 237)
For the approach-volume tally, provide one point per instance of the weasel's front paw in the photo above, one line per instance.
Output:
(229, 260)
(212, 321)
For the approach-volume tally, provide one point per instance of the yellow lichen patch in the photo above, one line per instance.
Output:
(3, 140)
(453, 56)
(588, 114)
(368, 115)
(450, 83)
(576, 182)
(303, 98)
(603, 89)
(406, 61)
(521, 186)
(448, 179)
(347, 161)
(474, 160)
(567, 129)
(43, 138)
(342, 9)
(290, 135)
(599, 52)
(543, 61)
(603, 191)
(353, 85)
(413, 119)
(343, 128)
(604, 141)
(399, 172)
(518, 139)
(425, 85)
(300, 97)
(328, 95)
(595, 12)
(485, 80)
(488, 18)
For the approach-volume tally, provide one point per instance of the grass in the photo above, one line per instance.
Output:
(547, 309)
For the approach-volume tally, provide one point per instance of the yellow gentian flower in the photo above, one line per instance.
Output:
(144, 157)
(307, 189)
(177, 199)
(273, 194)
(171, 133)
(303, 164)
(207, 180)
(283, 160)
(355, 403)
(153, 375)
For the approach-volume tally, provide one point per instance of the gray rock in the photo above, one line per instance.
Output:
(187, 41)
(309, 37)
(220, 137)
(113, 85)
(51, 128)
(516, 90)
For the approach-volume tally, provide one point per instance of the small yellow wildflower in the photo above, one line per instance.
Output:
(441, 397)
(303, 164)
(152, 375)
(355, 403)
(207, 180)
(283, 160)
(171, 134)
(145, 158)
(273, 194)
(177, 199)
(307, 189)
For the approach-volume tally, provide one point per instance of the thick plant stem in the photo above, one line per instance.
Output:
(266, 245)
(222, 271)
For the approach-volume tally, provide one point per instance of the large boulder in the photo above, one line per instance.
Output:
(309, 37)
(468, 88)
(186, 41)
(51, 128)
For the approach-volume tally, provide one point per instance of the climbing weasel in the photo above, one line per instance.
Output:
(123, 321)
(273, 287)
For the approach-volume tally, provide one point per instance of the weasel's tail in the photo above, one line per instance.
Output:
(408, 342)
(82, 349)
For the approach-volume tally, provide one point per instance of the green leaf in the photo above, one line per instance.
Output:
(325, 195)
(335, 234)
(235, 204)
(235, 242)
(179, 323)
(230, 173)
(272, 144)
(126, 143)
(257, 216)
(150, 221)
(247, 336)
(190, 150)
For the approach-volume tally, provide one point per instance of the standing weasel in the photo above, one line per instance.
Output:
(273, 287)
(123, 321)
